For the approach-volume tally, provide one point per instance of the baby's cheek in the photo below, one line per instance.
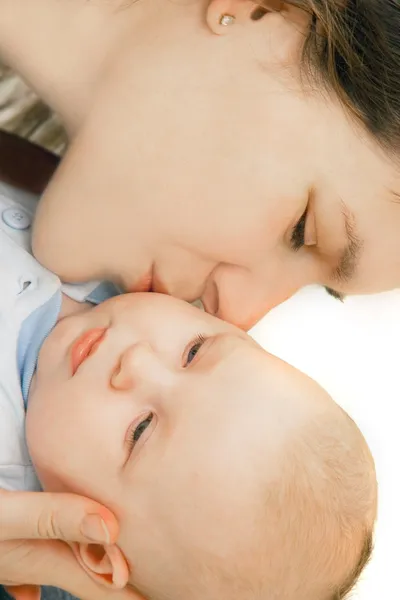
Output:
(41, 451)
(54, 463)
(45, 438)
(50, 482)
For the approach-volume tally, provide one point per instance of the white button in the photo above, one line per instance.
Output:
(16, 218)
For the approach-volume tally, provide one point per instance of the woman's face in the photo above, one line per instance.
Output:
(204, 169)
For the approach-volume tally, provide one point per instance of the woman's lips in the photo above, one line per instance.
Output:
(86, 345)
(150, 282)
(145, 283)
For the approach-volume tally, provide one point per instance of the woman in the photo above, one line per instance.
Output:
(219, 150)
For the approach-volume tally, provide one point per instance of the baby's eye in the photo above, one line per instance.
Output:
(194, 347)
(140, 429)
(192, 352)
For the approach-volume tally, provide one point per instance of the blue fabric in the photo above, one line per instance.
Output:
(104, 291)
(33, 332)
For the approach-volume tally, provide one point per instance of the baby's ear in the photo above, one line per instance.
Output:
(104, 563)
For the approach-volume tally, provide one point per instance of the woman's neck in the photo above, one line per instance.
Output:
(60, 47)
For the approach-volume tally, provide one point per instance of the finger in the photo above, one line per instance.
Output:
(40, 515)
(56, 565)
(24, 592)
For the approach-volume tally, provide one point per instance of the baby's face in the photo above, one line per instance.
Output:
(166, 415)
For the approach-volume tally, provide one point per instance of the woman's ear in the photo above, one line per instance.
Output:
(223, 15)
(104, 563)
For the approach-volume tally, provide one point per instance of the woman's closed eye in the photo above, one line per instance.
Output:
(304, 232)
(297, 238)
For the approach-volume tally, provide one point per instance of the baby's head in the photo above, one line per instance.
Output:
(232, 474)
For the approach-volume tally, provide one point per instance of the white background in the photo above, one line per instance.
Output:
(353, 351)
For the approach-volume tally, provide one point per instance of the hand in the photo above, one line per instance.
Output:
(33, 530)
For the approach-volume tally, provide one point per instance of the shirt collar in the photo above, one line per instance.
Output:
(34, 330)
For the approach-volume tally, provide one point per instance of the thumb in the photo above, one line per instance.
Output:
(68, 517)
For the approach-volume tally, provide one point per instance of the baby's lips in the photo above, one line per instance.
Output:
(85, 345)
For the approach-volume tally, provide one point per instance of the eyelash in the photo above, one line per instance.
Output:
(198, 341)
(297, 237)
(133, 437)
(297, 242)
(334, 294)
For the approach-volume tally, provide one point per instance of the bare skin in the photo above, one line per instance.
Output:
(178, 133)
(148, 124)
(167, 404)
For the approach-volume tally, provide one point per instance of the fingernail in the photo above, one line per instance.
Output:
(95, 530)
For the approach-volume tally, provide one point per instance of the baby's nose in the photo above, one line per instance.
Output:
(138, 365)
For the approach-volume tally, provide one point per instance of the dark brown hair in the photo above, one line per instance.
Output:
(353, 48)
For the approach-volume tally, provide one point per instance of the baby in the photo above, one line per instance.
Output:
(233, 475)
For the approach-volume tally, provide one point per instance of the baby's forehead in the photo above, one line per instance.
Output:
(270, 378)
(151, 302)
(258, 402)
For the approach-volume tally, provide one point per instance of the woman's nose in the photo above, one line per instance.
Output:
(139, 365)
(242, 298)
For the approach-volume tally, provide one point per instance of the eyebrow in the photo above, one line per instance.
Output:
(351, 254)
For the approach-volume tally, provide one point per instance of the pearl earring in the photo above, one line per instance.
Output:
(226, 20)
